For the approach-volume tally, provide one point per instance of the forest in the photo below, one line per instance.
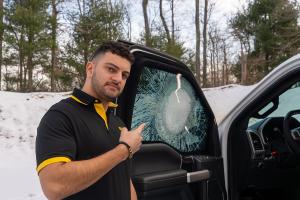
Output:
(45, 44)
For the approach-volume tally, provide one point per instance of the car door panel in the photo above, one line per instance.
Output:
(157, 172)
(214, 187)
(180, 156)
(160, 180)
(155, 157)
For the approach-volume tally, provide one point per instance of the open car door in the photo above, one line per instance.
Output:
(180, 158)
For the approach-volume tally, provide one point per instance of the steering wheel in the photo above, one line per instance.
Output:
(291, 136)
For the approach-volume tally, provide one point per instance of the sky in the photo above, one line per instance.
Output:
(184, 18)
(184, 14)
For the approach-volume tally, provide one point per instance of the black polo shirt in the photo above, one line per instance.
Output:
(78, 128)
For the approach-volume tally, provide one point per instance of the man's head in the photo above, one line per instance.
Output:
(108, 70)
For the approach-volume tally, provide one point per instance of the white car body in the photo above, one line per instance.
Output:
(289, 66)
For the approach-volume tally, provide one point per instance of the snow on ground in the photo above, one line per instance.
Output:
(20, 114)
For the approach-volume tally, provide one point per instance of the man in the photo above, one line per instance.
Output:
(81, 148)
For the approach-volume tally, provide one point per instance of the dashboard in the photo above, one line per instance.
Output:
(266, 138)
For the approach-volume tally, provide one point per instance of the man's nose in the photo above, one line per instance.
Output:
(117, 77)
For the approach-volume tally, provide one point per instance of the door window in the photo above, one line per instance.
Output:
(170, 108)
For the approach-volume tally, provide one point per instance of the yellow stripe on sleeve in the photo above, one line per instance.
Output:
(51, 161)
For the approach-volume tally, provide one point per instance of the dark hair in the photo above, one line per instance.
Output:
(117, 48)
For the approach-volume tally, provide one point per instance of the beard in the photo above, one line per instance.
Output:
(102, 92)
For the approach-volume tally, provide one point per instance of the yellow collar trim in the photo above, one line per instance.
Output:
(110, 104)
(101, 112)
(99, 108)
(76, 99)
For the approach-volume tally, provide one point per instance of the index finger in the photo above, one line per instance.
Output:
(140, 128)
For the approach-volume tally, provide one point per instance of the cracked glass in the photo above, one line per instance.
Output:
(171, 110)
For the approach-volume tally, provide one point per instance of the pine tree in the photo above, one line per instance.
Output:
(27, 38)
(269, 32)
(98, 21)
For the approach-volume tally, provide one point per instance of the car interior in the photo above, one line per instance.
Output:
(264, 146)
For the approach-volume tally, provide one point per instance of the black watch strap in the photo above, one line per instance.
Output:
(129, 149)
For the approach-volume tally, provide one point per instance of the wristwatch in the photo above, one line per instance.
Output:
(128, 148)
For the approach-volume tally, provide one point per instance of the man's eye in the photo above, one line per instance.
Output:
(111, 69)
(125, 76)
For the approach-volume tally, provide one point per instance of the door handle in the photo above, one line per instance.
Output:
(198, 176)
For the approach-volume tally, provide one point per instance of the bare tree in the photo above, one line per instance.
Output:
(212, 58)
(173, 23)
(205, 22)
(164, 22)
(225, 75)
(54, 47)
(85, 33)
(244, 71)
(216, 51)
(244, 51)
(197, 25)
(1, 39)
(128, 22)
(146, 21)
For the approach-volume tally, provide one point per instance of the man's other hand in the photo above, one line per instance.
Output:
(133, 138)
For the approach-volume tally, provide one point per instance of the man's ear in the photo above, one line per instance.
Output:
(89, 68)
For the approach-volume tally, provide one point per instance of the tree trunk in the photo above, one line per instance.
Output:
(30, 73)
(79, 8)
(127, 14)
(214, 66)
(25, 82)
(266, 65)
(243, 65)
(217, 63)
(205, 43)
(130, 28)
(21, 62)
(83, 7)
(197, 25)
(146, 21)
(164, 22)
(85, 56)
(54, 44)
(213, 58)
(173, 23)
(211, 69)
(30, 62)
(225, 69)
(1, 40)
